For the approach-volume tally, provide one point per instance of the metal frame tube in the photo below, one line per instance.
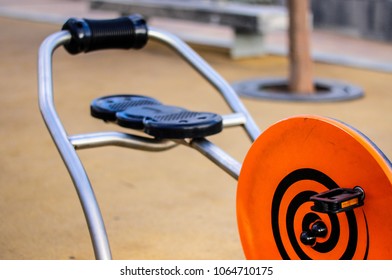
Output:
(217, 156)
(67, 145)
(121, 139)
(100, 139)
(75, 168)
(209, 74)
(233, 120)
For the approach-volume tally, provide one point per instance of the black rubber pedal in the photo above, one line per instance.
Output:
(163, 121)
(135, 117)
(106, 107)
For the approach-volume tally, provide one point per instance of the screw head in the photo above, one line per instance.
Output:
(308, 238)
(319, 229)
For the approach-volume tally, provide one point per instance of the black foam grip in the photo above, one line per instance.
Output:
(121, 33)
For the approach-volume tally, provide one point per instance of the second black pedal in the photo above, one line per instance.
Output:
(158, 120)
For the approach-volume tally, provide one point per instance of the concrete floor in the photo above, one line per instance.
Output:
(169, 205)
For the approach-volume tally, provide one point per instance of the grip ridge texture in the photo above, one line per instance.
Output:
(91, 34)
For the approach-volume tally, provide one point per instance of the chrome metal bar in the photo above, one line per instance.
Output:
(67, 144)
(218, 156)
(100, 139)
(75, 168)
(113, 138)
(233, 120)
(209, 74)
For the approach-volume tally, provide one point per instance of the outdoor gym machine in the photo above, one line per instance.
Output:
(328, 198)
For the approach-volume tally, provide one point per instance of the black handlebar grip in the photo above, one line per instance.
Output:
(130, 32)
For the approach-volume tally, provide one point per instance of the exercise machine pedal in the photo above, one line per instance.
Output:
(154, 118)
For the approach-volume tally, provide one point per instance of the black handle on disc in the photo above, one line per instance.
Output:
(130, 32)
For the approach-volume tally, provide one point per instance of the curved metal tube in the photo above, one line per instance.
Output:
(217, 156)
(209, 74)
(100, 139)
(67, 144)
(235, 119)
(75, 168)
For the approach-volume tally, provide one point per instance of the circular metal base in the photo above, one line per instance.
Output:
(277, 89)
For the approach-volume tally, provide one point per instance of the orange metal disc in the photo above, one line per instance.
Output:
(297, 158)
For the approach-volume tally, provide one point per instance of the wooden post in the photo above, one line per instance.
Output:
(301, 65)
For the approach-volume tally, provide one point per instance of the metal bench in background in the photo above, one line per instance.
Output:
(249, 23)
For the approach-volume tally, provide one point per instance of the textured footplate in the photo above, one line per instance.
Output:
(106, 107)
(156, 119)
(136, 117)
